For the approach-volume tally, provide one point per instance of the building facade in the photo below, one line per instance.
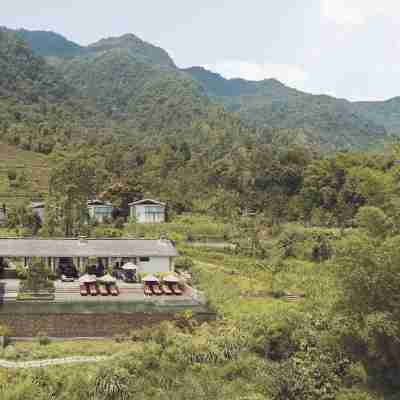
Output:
(100, 211)
(148, 211)
(150, 256)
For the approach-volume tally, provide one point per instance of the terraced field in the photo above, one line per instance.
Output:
(32, 172)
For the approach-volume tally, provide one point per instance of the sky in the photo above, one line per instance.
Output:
(345, 48)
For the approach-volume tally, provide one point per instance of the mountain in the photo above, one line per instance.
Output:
(117, 90)
(386, 113)
(138, 49)
(133, 90)
(47, 43)
(270, 103)
(131, 80)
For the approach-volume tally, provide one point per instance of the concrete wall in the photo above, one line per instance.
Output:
(139, 212)
(155, 265)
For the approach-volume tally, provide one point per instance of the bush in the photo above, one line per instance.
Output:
(185, 263)
(119, 223)
(22, 272)
(43, 339)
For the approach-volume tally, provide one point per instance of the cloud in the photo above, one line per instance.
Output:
(289, 74)
(357, 12)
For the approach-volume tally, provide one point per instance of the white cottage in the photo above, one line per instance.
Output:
(99, 210)
(148, 211)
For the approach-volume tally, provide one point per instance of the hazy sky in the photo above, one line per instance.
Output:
(347, 48)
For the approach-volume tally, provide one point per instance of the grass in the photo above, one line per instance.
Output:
(183, 227)
(34, 166)
(29, 351)
(237, 286)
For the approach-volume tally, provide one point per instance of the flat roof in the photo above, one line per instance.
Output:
(21, 247)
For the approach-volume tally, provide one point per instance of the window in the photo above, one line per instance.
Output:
(144, 259)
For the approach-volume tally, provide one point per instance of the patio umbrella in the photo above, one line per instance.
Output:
(171, 279)
(151, 279)
(129, 266)
(87, 278)
(107, 279)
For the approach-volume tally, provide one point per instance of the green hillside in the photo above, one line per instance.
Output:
(271, 104)
(47, 43)
(125, 89)
(32, 174)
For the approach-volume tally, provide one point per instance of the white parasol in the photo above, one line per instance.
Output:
(171, 279)
(151, 279)
(129, 266)
(87, 278)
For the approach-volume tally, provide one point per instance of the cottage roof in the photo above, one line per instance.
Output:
(147, 201)
(38, 204)
(97, 202)
(86, 248)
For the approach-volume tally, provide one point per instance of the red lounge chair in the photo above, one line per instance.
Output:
(83, 290)
(147, 291)
(157, 290)
(176, 290)
(93, 289)
(113, 289)
(167, 290)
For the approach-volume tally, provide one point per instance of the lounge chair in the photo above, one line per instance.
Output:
(167, 290)
(93, 289)
(103, 290)
(176, 290)
(147, 290)
(83, 290)
(113, 289)
(157, 290)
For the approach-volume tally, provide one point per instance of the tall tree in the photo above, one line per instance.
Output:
(72, 182)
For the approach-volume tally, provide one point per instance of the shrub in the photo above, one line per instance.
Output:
(185, 263)
(12, 175)
(5, 331)
(112, 383)
(43, 339)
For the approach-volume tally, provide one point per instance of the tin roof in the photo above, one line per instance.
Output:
(86, 248)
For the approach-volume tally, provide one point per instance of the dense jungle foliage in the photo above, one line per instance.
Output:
(118, 121)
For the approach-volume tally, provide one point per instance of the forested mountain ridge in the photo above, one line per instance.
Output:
(46, 43)
(269, 103)
(139, 91)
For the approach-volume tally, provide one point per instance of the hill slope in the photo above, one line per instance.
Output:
(269, 103)
(133, 89)
(32, 171)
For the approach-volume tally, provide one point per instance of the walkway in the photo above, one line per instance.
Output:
(51, 362)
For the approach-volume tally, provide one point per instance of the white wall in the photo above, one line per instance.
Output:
(139, 212)
(155, 265)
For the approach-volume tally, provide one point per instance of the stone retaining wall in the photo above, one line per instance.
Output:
(85, 325)
(79, 325)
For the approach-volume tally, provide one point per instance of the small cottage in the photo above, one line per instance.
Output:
(148, 211)
(99, 210)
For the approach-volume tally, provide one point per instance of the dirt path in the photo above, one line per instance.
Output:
(50, 362)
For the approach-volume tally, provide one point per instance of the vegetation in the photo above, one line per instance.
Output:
(306, 301)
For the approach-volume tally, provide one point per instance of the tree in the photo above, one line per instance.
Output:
(369, 275)
(72, 181)
(373, 220)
